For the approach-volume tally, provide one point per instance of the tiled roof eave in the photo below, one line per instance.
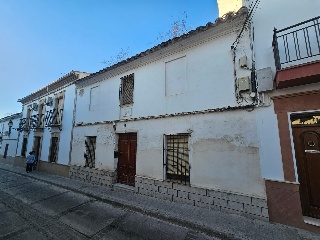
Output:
(62, 82)
(13, 116)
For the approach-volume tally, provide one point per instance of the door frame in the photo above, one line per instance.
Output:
(119, 156)
(297, 133)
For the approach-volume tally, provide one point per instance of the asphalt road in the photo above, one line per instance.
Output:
(31, 209)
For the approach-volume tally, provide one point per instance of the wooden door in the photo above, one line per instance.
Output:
(6, 151)
(37, 146)
(307, 149)
(127, 147)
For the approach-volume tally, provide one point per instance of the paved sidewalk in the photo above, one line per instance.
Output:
(217, 224)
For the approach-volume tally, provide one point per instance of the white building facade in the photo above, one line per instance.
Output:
(46, 124)
(286, 47)
(178, 122)
(9, 135)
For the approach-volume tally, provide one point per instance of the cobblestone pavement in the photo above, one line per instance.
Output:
(30, 209)
(213, 223)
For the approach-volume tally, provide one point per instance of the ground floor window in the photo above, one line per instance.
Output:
(176, 152)
(90, 155)
(24, 147)
(54, 147)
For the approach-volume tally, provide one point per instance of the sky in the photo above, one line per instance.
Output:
(42, 40)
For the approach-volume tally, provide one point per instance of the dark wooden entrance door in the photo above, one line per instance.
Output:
(127, 147)
(37, 149)
(6, 151)
(307, 149)
(37, 146)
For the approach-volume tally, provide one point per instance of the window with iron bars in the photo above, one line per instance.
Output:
(54, 149)
(90, 155)
(126, 89)
(176, 152)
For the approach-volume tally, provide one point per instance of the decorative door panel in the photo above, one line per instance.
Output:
(307, 149)
(127, 147)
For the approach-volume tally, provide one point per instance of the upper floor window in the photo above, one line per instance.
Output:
(41, 114)
(94, 98)
(176, 79)
(28, 117)
(126, 89)
(58, 108)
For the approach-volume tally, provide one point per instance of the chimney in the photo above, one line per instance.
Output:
(225, 6)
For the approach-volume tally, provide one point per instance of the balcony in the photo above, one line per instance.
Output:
(297, 54)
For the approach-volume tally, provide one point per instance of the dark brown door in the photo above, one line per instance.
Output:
(6, 151)
(127, 147)
(37, 146)
(307, 149)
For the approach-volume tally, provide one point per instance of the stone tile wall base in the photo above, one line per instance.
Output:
(92, 175)
(206, 198)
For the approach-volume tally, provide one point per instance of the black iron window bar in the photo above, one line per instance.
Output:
(54, 149)
(297, 42)
(90, 152)
(126, 89)
(177, 158)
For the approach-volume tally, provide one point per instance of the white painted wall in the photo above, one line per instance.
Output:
(210, 84)
(278, 14)
(65, 134)
(269, 15)
(12, 140)
(105, 145)
(224, 148)
(270, 151)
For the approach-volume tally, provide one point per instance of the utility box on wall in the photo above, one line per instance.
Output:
(265, 79)
(243, 84)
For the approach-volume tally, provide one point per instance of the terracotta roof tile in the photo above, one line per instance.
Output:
(224, 19)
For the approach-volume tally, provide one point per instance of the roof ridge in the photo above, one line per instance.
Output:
(228, 17)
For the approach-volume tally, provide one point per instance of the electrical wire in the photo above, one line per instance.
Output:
(248, 19)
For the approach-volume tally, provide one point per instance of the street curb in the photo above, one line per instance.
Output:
(172, 219)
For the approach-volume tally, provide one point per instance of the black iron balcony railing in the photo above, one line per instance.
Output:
(294, 44)
(39, 121)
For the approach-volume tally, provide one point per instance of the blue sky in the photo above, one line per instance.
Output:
(41, 40)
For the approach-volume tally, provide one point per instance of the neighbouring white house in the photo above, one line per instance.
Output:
(9, 135)
(46, 124)
(179, 121)
(286, 46)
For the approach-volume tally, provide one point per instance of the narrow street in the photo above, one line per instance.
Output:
(30, 209)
